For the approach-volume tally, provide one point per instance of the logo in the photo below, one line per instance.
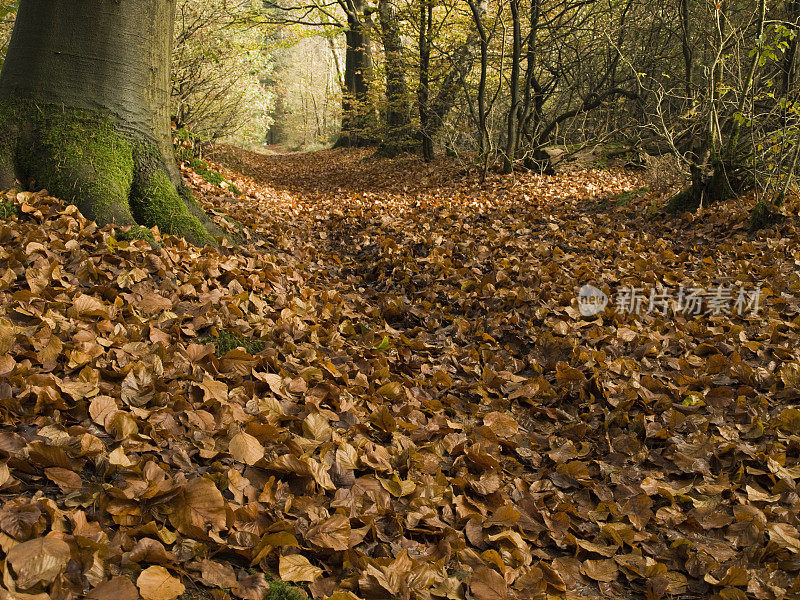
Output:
(591, 301)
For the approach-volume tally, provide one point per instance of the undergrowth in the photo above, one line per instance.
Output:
(230, 340)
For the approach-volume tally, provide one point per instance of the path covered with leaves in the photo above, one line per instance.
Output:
(387, 390)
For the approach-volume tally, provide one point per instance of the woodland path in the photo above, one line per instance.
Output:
(388, 390)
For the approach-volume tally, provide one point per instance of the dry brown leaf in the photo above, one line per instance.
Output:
(156, 583)
(199, 508)
(217, 574)
(297, 568)
(38, 561)
(600, 570)
(488, 584)
(246, 449)
(251, 587)
(333, 533)
(116, 588)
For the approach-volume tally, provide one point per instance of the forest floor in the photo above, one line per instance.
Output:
(387, 389)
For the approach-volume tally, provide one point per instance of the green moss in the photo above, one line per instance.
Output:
(213, 177)
(762, 216)
(155, 202)
(230, 340)
(183, 154)
(82, 158)
(685, 200)
(8, 210)
(210, 175)
(198, 165)
(625, 197)
(8, 143)
(138, 232)
(279, 590)
(77, 156)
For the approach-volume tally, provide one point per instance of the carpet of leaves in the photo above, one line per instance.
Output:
(427, 415)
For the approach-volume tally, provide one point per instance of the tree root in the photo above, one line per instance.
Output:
(112, 176)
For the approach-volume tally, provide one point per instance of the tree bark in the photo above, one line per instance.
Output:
(423, 91)
(398, 117)
(84, 107)
(515, 107)
(357, 70)
(397, 111)
(686, 48)
(483, 37)
(445, 98)
(789, 66)
(533, 102)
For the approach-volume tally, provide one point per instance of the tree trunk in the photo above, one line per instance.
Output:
(397, 112)
(789, 66)
(398, 118)
(686, 47)
(445, 98)
(483, 113)
(423, 92)
(533, 102)
(84, 107)
(357, 70)
(514, 108)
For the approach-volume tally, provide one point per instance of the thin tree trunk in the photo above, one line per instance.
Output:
(425, 25)
(483, 133)
(514, 108)
(336, 63)
(445, 98)
(789, 66)
(533, 104)
(749, 82)
(686, 47)
(84, 105)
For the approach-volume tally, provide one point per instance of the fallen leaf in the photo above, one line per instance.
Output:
(156, 583)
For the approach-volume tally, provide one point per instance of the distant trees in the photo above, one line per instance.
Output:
(354, 18)
(714, 83)
(219, 66)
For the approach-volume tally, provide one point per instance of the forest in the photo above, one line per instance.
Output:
(399, 299)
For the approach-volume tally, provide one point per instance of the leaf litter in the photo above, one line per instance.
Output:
(416, 407)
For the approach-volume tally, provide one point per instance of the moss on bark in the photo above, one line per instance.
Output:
(764, 215)
(156, 201)
(78, 157)
(713, 189)
(138, 232)
(83, 158)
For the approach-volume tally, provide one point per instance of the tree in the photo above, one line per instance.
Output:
(423, 90)
(84, 112)
(398, 112)
(357, 74)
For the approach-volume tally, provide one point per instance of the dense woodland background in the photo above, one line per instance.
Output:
(712, 84)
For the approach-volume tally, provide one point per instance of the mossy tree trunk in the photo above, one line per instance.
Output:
(356, 111)
(84, 112)
(399, 136)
